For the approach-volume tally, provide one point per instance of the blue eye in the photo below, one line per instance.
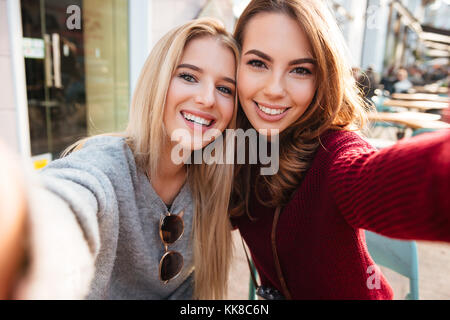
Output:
(188, 77)
(301, 71)
(256, 63)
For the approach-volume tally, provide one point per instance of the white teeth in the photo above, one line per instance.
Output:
(271, 111)
(196, 119)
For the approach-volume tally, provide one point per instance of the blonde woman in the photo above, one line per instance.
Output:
(305, 224)
(118, 217)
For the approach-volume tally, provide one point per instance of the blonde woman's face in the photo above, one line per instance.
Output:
(276, 76)
(201, 94)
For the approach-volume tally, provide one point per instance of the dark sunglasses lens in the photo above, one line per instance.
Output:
(171, 228)
(171, 265)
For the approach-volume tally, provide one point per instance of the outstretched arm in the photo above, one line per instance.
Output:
(402, 191)
(71, 209)
(12, 222)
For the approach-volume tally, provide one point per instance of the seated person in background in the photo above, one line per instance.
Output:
(402, 85)
(388, 80)
(416, 75)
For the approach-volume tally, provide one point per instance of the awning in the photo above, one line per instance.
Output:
(437, 41)
(436, 34)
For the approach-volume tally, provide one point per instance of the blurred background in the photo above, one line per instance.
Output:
(68, 69)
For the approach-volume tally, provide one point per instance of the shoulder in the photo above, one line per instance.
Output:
(104, 148)
(104, 152)
(333, 145)
(106, 144)
(338, 144)
(335, 142)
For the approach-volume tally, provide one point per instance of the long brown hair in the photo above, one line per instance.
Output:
(337, 103)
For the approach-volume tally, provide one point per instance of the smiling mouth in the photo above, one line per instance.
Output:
(271, 111)
(196, 119)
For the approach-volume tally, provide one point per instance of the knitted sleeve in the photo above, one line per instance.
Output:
(61, 264)
(401, 192)
(73, 221)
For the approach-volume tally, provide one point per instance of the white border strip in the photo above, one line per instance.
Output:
(139, 33)
(18, 74)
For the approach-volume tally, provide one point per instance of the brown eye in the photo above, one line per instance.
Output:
(225, 90)
(188, 77)
(301, 71)
(256, 63)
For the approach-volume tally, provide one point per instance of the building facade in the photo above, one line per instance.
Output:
(69, 67)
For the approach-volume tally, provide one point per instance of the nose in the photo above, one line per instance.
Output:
(275, 87)
(205, 95)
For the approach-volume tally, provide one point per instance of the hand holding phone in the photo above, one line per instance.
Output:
(12, 221)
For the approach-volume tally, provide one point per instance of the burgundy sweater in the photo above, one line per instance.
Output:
(402, 192)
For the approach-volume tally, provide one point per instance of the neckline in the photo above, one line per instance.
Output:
(178, 204)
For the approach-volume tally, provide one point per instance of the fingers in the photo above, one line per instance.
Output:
(12, 219)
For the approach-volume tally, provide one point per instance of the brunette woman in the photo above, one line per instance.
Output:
(305, 224)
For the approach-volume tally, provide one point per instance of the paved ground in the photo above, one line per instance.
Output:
(240, 274)
(434, 273)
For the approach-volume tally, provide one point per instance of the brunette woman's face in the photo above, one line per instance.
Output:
(276, 76)
(201, 93)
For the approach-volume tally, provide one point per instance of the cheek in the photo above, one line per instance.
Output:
(170, 108)
(246, 84)
(303, 93)
(226, 110)
(176, 94)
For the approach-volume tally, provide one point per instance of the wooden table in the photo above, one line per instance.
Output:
(413, 120)
(430, 89)
(420, 97)
(419, 105)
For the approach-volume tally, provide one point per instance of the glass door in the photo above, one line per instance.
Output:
(54, 66)
(76, 64)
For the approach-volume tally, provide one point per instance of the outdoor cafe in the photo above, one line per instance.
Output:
(401, 115)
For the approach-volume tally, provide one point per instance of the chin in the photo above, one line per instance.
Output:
(267, 130)
(196, 147)
(191, 146)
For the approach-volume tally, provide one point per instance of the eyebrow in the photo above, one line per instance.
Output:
(190, 66)
(195, 68)
(268, 58)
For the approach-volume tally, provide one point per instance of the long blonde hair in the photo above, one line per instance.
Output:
(336, 104)
(210, 183)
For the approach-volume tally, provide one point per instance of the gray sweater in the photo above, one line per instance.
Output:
(118, 213)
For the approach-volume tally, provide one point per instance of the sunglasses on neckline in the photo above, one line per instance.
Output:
(171, 228)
